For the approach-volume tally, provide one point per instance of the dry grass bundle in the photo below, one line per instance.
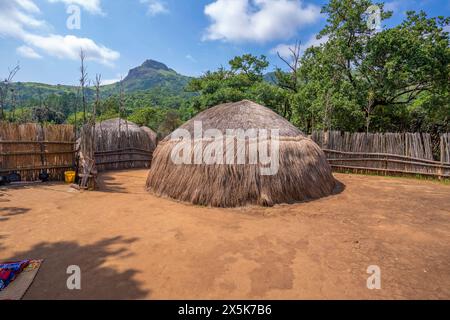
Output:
(152, 135)
(303, 174)
(121, 144)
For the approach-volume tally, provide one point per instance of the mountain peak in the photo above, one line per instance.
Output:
(148, 68)
(152, 64)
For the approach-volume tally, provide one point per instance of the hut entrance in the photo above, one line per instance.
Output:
(114, 144)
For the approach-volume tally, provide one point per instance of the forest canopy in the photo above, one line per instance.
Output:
(358, 79)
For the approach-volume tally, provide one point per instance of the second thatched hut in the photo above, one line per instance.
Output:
(303, 171)
(118, 144)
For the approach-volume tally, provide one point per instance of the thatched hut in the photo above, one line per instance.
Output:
(120, 144)
(303, 171)
(152, 135)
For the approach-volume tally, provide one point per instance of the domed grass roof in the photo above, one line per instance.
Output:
(303, 170)
(116, 132)
(242, 115)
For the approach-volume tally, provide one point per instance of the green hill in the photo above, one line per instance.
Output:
(151, 74)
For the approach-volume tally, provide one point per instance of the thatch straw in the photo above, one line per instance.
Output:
(152, 134)
(119, 133)
(303, 174)
(119, 144)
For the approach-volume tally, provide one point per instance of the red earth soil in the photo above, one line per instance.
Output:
(130, 244)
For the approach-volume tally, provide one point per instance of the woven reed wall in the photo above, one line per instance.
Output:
(119, 144)
(445, 148)
(32, 148)
(388, 153)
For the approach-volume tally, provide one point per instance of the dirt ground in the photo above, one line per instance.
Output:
(132, 245)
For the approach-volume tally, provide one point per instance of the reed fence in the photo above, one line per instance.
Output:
(118, 144)
(30, 149)
(445, 148)
(385, 153)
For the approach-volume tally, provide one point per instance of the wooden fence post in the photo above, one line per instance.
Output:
(442, 156)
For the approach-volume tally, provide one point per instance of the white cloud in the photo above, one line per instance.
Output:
(92, 6)
(110, 81)
(118, 77)
(257, 20)
(18, 20)
(283, 49)
(392, 6)
(28, 52)
(18, 15)
(155, 7)
(68, 47)
(190, 58)
(28, 5)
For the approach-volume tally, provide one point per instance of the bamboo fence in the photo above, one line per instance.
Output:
(388, 153)
(30, 149)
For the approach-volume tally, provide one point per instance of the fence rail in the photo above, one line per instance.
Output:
(29, 149)
(119, 158)
(386, 163)
(389, 154)
(36, 142)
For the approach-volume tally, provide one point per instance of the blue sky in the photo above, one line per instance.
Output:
(190, 36)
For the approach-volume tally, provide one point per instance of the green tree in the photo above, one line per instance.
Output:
(232, 85)
(359, 71)
(151, 117)
(76, 119)
(171, 121)
(250, 66)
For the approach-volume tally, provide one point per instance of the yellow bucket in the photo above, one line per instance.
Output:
(70, 176)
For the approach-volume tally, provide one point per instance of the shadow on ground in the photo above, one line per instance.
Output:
(1, 245)
(3, 196)
(97, 280)
(106, 183)
(338, 188)
(7, 212)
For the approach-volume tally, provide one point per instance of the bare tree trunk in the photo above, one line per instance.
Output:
(76, 111)
(83, 80)
(4, 87)
(292, 84)
(367, 122)
(328, 111)
(13, 105)
(369, 108)
(293, 65)
(98, 80)
(120, 112)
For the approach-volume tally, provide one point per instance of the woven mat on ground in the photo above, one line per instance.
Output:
(19, 285)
